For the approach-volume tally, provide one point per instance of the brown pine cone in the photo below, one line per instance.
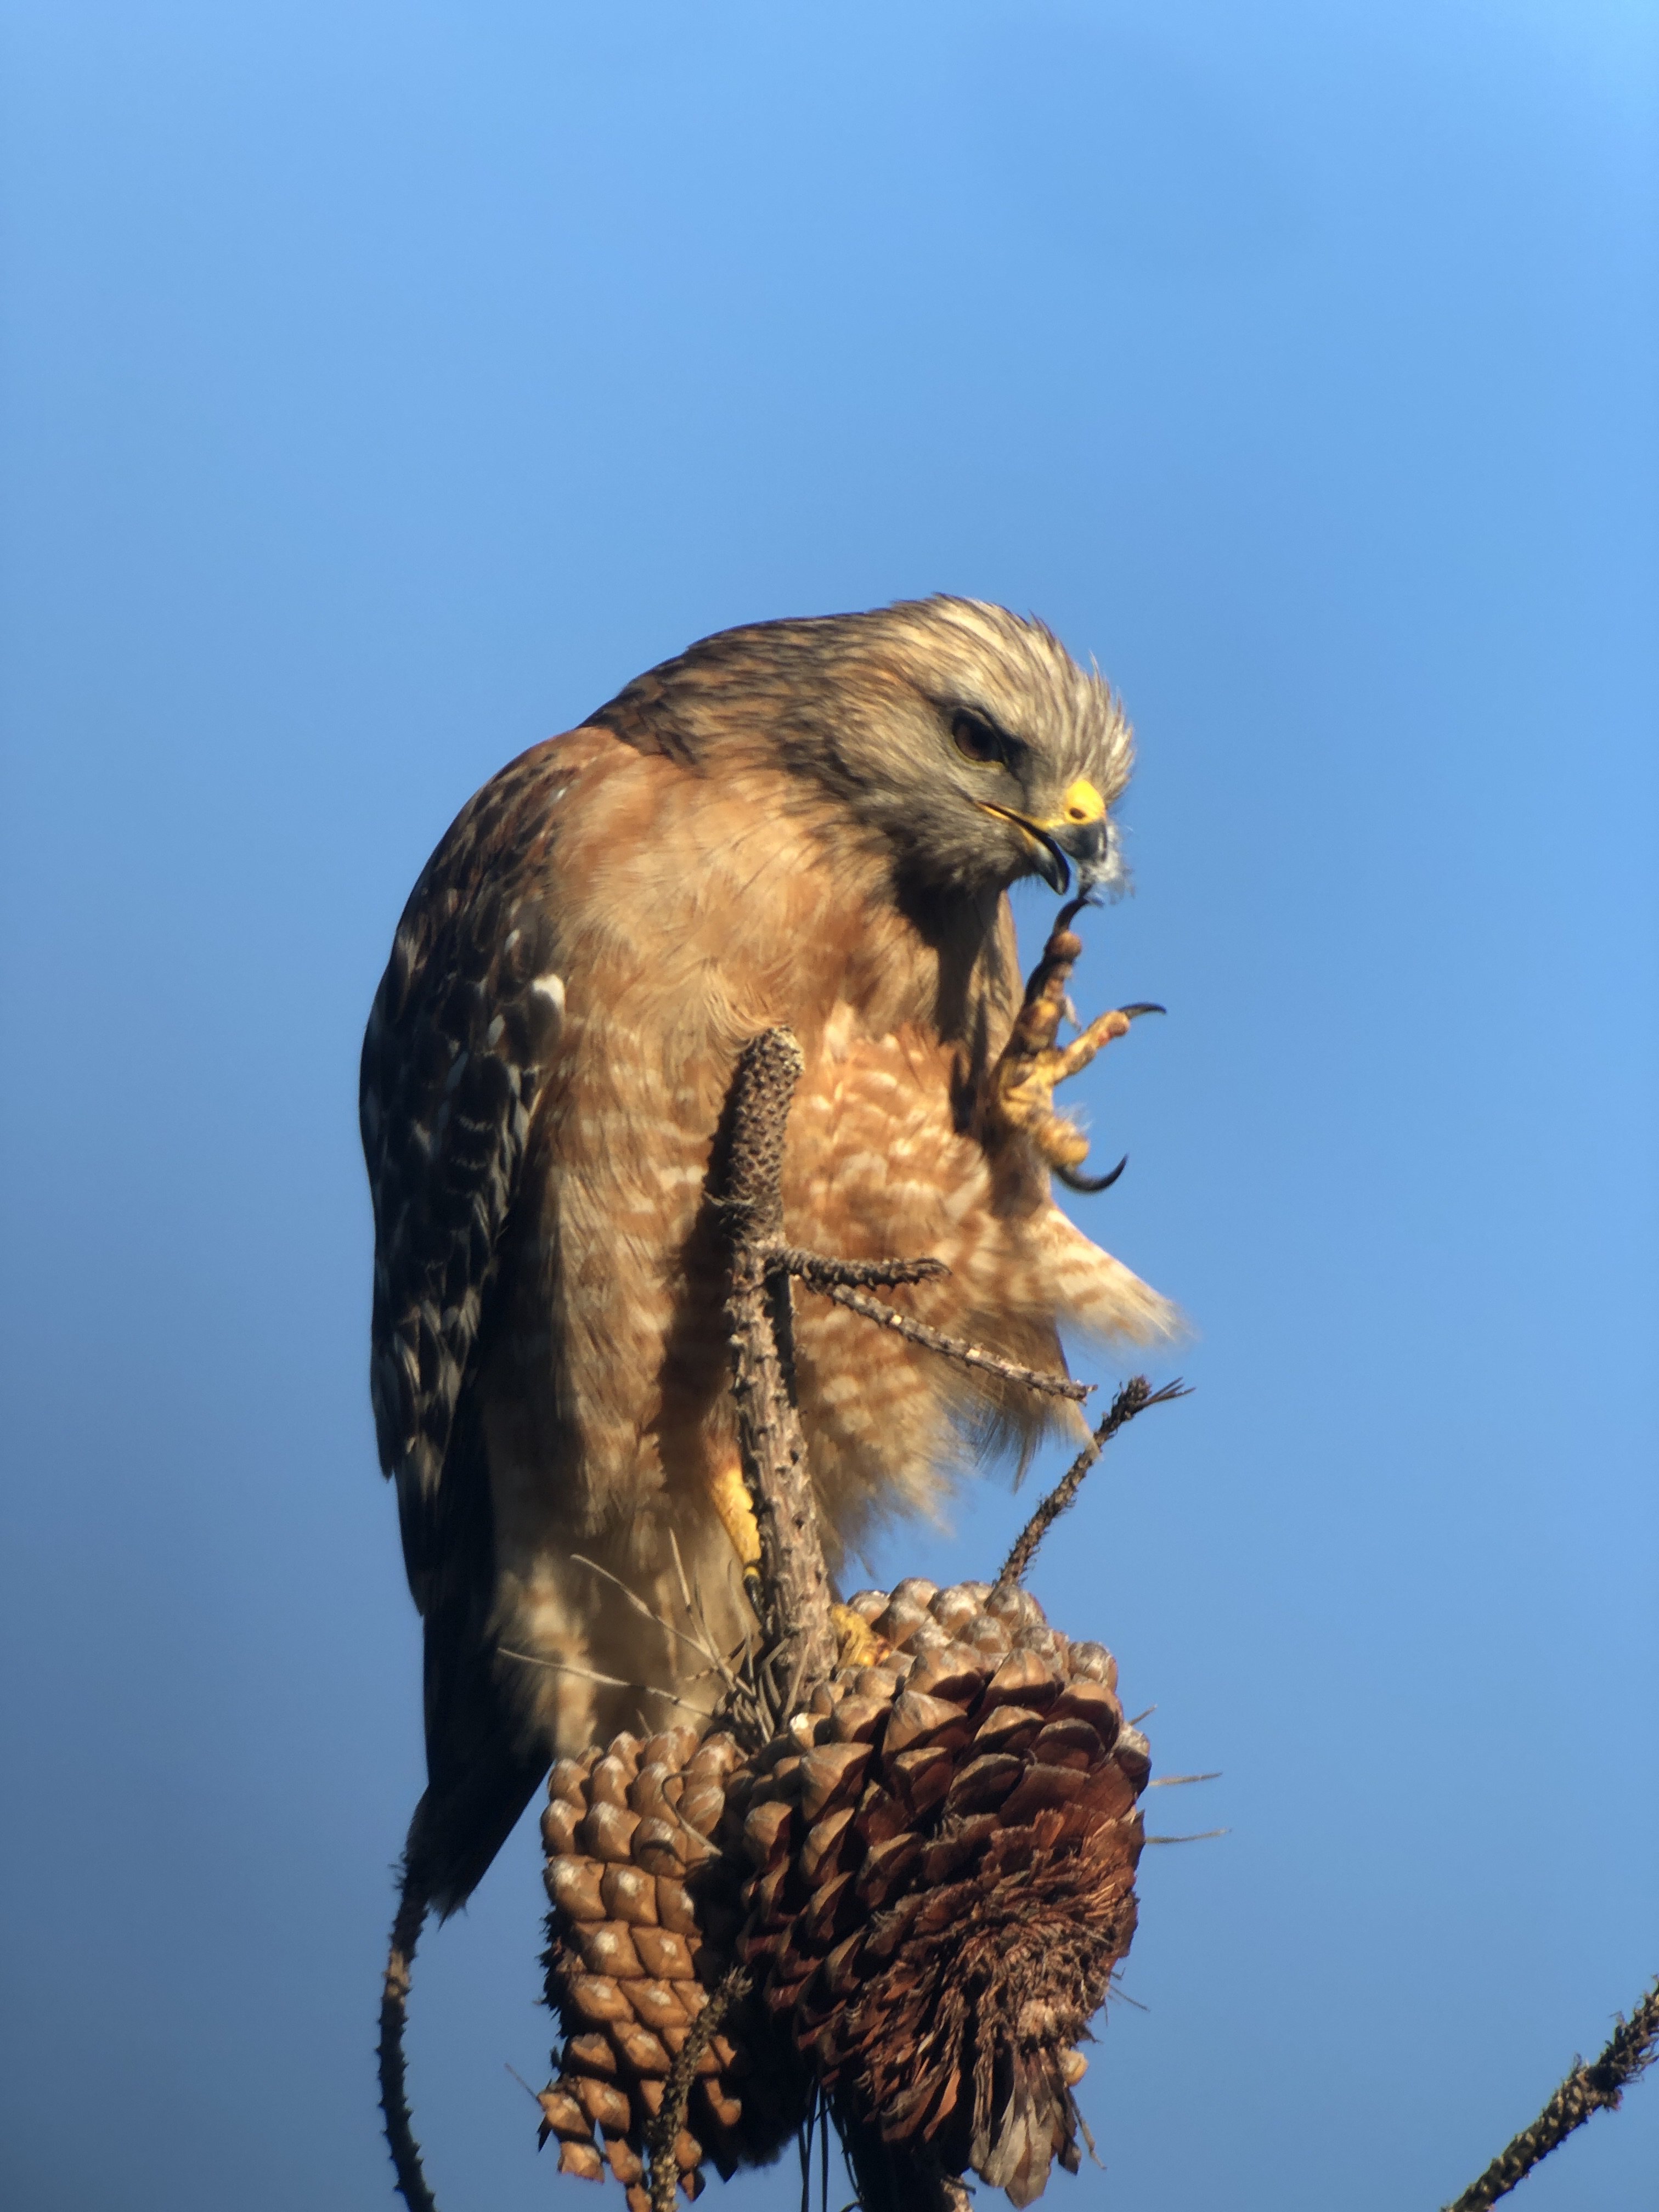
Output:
(945, 1868)
(929, 1874)
(646, 1910)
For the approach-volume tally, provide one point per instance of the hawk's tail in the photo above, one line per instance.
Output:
(406, 1926)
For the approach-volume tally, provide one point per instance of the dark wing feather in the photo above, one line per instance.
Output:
(458, 1047)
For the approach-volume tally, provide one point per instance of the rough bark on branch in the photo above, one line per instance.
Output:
(409, 2174)
(1587, 2089)
(676, 2090)
(799, 1635)
(1134, 1398)
(832, 1283)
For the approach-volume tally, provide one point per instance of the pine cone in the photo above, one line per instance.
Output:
(646, 1909)
(946, 1861)
(929, 1875)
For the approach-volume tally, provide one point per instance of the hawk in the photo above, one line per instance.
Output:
(808, 822)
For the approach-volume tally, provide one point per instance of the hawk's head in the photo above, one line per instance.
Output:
(965, 740)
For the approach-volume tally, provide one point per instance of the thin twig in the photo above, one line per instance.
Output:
(592, 1675)
(870, 1274)
(901, 2176)
(676, 2090)
(691, 1642)
(1587, 2089)
(949, 1348)
(410, 1918)
(1134, 1398)
(743, 1707)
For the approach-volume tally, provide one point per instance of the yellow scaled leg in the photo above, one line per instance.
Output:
(858, 1643)
(729, 1494)
(1021, 1091)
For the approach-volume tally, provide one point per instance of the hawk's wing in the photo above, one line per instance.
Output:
(457, 1047)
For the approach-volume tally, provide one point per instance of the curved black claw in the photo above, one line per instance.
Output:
(1145, 1007)
(1085, 1186)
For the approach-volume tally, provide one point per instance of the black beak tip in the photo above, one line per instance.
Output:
(1051, 863)
(1056, 872)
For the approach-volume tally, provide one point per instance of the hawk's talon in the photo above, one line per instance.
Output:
(1087, 1186)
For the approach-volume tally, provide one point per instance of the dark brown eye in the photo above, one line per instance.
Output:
(978, 740)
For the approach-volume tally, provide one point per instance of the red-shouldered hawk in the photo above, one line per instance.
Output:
(813, 823)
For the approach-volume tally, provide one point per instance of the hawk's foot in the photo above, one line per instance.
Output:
(857, 1643)
(1020, 1093)
(728, 1494)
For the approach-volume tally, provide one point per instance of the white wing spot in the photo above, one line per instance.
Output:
(550, 986)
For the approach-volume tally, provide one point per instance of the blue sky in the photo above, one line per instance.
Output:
(382, 386)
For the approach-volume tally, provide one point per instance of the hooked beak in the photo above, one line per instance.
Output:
(1079, 832)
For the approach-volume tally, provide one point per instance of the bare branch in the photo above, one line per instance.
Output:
(407, 2170)
(676, 2090)
(592, 1675)
(798, 1632)
(1587, 2089)
(813, 1268)
(1134, 1398)
(703, 1649)
(933, 1340)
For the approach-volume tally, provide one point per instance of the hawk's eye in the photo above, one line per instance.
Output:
(978, 740)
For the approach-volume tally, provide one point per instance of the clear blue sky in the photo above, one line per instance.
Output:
(382, 386)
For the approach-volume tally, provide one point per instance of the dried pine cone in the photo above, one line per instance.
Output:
(929, 1874)
(945, 1865)
(646, 1910)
